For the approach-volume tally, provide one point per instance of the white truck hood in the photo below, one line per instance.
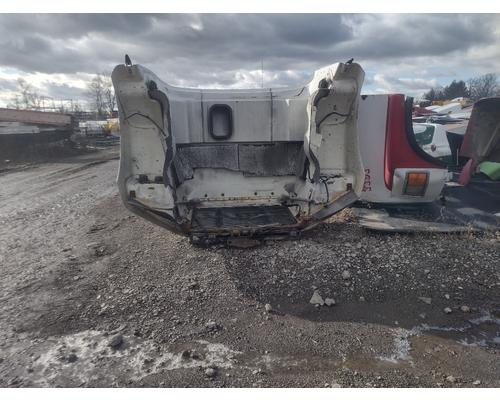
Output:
(222, 163)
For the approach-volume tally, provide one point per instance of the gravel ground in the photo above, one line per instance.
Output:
(94, 296)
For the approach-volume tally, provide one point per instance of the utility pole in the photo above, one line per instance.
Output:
(262, 73)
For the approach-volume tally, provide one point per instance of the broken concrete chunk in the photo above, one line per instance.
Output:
(116, 341)
(329, 302)
(426, 300)
(316, 299)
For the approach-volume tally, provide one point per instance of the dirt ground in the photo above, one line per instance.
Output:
(91, 295)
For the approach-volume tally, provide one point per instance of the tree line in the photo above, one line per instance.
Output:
(475, 89)
(99, 93)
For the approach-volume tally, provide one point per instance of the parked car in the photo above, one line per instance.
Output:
(433, 140)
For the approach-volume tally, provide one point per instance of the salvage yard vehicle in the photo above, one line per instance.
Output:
(215, 164)
(433, 140)
(397, 169)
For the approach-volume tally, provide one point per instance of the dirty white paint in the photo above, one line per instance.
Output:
(322, 114)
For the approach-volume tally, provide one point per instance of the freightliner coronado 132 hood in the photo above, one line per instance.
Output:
(217, 164)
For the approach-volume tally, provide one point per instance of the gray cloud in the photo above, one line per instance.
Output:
(419, 35)
(7, 84)
(63, 91)
(224, 49)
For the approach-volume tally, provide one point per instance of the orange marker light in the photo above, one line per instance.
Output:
(416, 183)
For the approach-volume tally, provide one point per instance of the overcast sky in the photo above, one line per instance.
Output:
(405, 53)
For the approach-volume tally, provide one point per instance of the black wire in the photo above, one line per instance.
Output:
(148, 118)
(324, 179)
(332, 113)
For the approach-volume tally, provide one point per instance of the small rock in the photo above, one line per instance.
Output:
(465, 309)
(76, 277)
(329, 302)
(427, 271)
(346, 275)
(447, 310)
(212, 326)
(268, 307)
(100, 251)
(66, 249)
(72, 258)
(362, 299)
(190, 354)
(71, 358)
(476, 382)
(211, 372)
(426, 300)
(447, 296)
(116, 341)
(451, 379)
(316, 299)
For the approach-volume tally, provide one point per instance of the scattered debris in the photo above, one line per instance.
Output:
(212, 326)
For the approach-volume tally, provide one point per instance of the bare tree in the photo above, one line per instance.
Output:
(483, 86)
(27, 98)
(15, 102)
(109, 96)
(101, 95)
